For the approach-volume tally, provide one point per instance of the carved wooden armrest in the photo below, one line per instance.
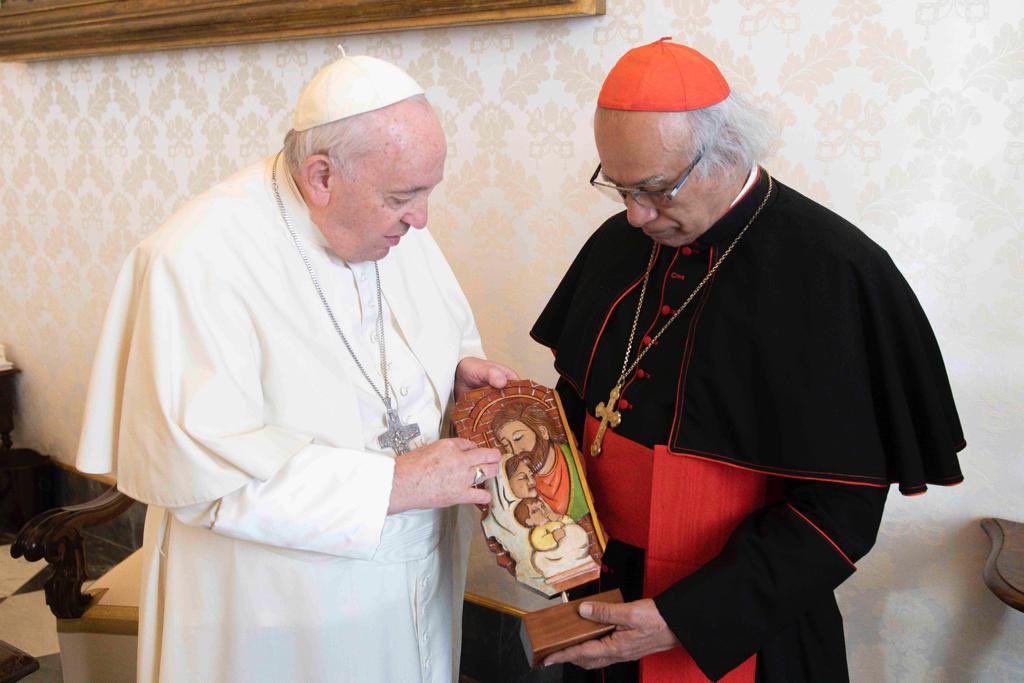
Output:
(54, 536)
(1004, 569)
(15, 664)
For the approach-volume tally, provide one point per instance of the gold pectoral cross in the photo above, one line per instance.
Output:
(609, 418)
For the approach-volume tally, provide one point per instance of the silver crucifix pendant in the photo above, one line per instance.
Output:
(398, 435)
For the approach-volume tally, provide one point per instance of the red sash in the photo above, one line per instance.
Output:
(682, 511)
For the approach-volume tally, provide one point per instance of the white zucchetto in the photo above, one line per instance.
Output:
(350, 86)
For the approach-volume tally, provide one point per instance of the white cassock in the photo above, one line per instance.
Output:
(222, 397)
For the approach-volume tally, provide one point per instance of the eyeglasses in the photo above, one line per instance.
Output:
(648, 198)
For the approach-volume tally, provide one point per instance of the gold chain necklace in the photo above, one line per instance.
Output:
(611, 418)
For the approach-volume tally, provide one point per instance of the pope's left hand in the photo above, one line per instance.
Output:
(473, 373)
(639, 631)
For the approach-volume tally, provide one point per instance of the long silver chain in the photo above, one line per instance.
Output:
(386, 396)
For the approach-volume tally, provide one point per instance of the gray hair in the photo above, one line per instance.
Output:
(733, 134)
(343, 141)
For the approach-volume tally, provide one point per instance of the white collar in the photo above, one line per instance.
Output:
(746, 186)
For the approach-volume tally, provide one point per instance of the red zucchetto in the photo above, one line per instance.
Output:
(663, 76)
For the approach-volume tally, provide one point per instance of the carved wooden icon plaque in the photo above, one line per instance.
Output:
(541, 522)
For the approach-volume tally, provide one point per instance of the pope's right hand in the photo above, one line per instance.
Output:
(442, 474)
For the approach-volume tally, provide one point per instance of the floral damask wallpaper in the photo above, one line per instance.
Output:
(905, 117)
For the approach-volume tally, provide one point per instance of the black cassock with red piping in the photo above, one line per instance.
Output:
(759, 435)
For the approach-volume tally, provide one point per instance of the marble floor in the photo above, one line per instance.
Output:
(25, 620)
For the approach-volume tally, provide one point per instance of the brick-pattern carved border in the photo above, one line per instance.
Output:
(473, 413)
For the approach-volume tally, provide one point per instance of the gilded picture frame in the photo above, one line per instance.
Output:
(47, 29)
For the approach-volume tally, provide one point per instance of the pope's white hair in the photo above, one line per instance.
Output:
(731, 135)
(343, 141)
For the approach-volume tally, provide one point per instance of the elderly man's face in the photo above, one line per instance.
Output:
(635, 154)
(386, 193)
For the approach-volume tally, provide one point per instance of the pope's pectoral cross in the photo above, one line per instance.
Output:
(398, 435)
(609, 418)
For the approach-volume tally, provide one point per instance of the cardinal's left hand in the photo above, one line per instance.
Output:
(639, 631)
(473, 373)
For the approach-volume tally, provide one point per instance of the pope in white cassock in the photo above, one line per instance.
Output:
(266, 354)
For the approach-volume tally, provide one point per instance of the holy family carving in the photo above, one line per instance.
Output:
(541, 522)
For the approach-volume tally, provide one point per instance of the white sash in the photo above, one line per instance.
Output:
(409, 536)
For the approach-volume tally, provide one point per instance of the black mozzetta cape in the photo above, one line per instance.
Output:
(807, 355)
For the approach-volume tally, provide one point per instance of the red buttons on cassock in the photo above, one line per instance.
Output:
(646, 340)
(666, 309)
(678, 276)
(687, 251)
(641, 374)
(624, 404)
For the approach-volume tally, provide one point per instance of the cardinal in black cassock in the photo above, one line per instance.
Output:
(770, 372)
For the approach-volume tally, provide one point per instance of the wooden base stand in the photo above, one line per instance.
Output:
(556, 628)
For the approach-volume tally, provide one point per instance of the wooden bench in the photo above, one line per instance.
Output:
(1004, 569)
